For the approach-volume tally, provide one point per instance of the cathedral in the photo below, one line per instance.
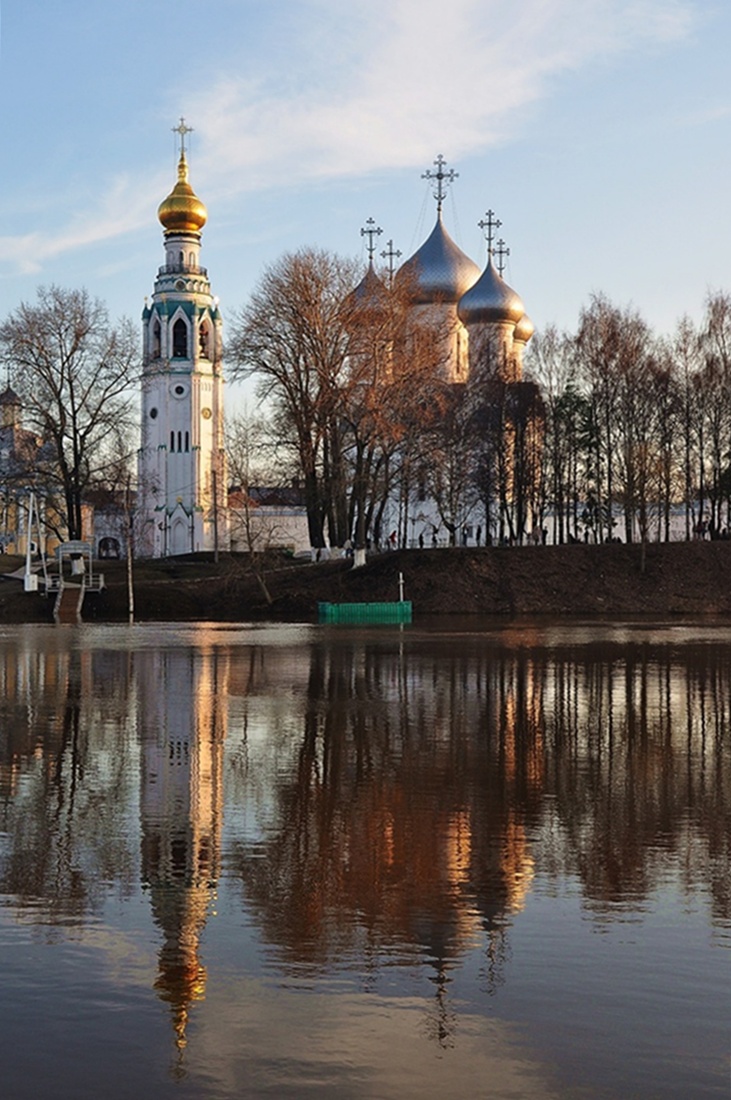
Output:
(182, 480)
(182, 475)
(490, 470)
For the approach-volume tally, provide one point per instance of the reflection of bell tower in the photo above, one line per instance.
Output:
(182, 473)
(182, 734)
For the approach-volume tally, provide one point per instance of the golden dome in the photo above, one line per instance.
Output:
(182, 211)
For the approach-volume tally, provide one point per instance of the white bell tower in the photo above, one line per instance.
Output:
(182, 465)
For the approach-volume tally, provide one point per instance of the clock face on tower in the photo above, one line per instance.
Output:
(206, 414)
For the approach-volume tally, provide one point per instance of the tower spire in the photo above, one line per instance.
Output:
(440, 180)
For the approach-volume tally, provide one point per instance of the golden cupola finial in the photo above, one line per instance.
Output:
(182, 211)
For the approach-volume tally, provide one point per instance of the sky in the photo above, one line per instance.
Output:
(599, 131)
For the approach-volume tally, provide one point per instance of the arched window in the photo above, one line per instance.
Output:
(172, 441)
(203, 340)
(180, 339)
(156, 336)
(187, 441)
(192, 259)
(180, 441)
(181, 257)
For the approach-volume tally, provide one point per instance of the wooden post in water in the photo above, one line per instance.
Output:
(130, 551)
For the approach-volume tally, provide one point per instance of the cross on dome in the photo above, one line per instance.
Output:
(442, 178)
(371, 231)
(182, 129)
(390, 255)
(501, 254)
(490, 223)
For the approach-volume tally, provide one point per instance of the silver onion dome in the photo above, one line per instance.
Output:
(369, 294)
(523, 330)
(440, 270)
(490, 300)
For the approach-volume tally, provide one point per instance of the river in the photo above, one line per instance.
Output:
(299, 861)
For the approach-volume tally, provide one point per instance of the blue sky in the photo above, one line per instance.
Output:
(599, 131)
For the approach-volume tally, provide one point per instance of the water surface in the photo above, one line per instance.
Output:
(273, 861)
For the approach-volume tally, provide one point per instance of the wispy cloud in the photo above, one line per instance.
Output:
(372, 85)
(423, 75)
(121, 207)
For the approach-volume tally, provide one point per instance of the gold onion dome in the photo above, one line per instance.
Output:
(182, 211)
(490, 300)
(440, 271)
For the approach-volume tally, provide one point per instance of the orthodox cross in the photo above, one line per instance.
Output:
(371, 231)
(442, 179)
(490, 223)
(390, 254)
(182, 129)
(501, 254)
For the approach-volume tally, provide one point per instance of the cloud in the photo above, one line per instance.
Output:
(337, 91)
(123, 205)
(386, 84)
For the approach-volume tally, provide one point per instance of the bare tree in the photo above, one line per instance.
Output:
(391, 398)
(251, 452)
(292, 337)
(75, 372)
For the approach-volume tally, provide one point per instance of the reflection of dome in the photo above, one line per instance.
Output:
(440, 270)
(9, 397)
(490, 300)
(182, 211)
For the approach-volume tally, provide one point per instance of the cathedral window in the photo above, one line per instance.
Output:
(180, 339)
(180, 441)
(156, 338)
(203, 340)
(187, 441)
(172, 441)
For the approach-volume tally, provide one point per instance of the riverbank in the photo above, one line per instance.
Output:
(683, 579)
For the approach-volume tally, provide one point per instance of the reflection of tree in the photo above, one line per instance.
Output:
(63, 766)
(427, 784)
(638, 777)
(400, 816)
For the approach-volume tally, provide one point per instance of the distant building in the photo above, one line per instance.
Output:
(23, 458)
(268, 519)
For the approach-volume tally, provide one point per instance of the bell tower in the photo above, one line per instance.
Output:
(182, 467)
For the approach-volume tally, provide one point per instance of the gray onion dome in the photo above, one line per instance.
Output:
(369, 294)
(523, 330)
(440, 270)
(490, 300)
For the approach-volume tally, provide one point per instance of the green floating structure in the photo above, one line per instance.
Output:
(399, 612)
